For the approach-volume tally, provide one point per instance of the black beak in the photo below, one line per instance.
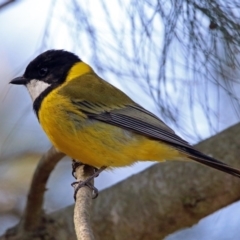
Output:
(19, 81)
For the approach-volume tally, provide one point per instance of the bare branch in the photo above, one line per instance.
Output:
(83, 205)
(33, 209)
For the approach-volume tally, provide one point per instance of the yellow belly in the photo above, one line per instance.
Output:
(97, 143)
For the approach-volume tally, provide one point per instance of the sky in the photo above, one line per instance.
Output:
(23, 24)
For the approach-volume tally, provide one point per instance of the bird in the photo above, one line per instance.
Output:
(96, 123)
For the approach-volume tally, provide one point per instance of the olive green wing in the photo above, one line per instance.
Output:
(101, 101)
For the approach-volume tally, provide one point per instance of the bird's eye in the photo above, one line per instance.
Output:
(43, 71)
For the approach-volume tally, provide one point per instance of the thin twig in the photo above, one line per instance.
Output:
(83, 205)
(33, 209)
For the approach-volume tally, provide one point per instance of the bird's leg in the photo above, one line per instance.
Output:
(87, 182)
(75, 165)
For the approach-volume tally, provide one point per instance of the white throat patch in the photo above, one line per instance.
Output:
(36, 87)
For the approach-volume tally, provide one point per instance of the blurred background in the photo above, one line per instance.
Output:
(178, 59)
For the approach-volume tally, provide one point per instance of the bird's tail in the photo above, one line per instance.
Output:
(211, 162)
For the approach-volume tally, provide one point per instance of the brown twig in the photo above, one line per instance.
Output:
(33, 209)
(83, 205)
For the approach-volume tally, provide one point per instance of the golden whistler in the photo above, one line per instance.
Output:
(92, 121)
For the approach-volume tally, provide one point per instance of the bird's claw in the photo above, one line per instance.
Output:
(75, 165)
(86, 183)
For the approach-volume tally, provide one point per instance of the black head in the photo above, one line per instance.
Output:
(51, 67)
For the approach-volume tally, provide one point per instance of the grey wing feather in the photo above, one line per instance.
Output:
(137, 119)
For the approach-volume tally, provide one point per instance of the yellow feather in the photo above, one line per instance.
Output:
(91, 141)
(77, 70)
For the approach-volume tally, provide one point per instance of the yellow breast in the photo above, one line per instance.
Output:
(93, 142)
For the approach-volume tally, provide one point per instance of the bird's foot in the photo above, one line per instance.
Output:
(87, 182)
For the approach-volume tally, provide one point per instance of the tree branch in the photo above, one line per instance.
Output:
(83, 205)
(33, 209)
